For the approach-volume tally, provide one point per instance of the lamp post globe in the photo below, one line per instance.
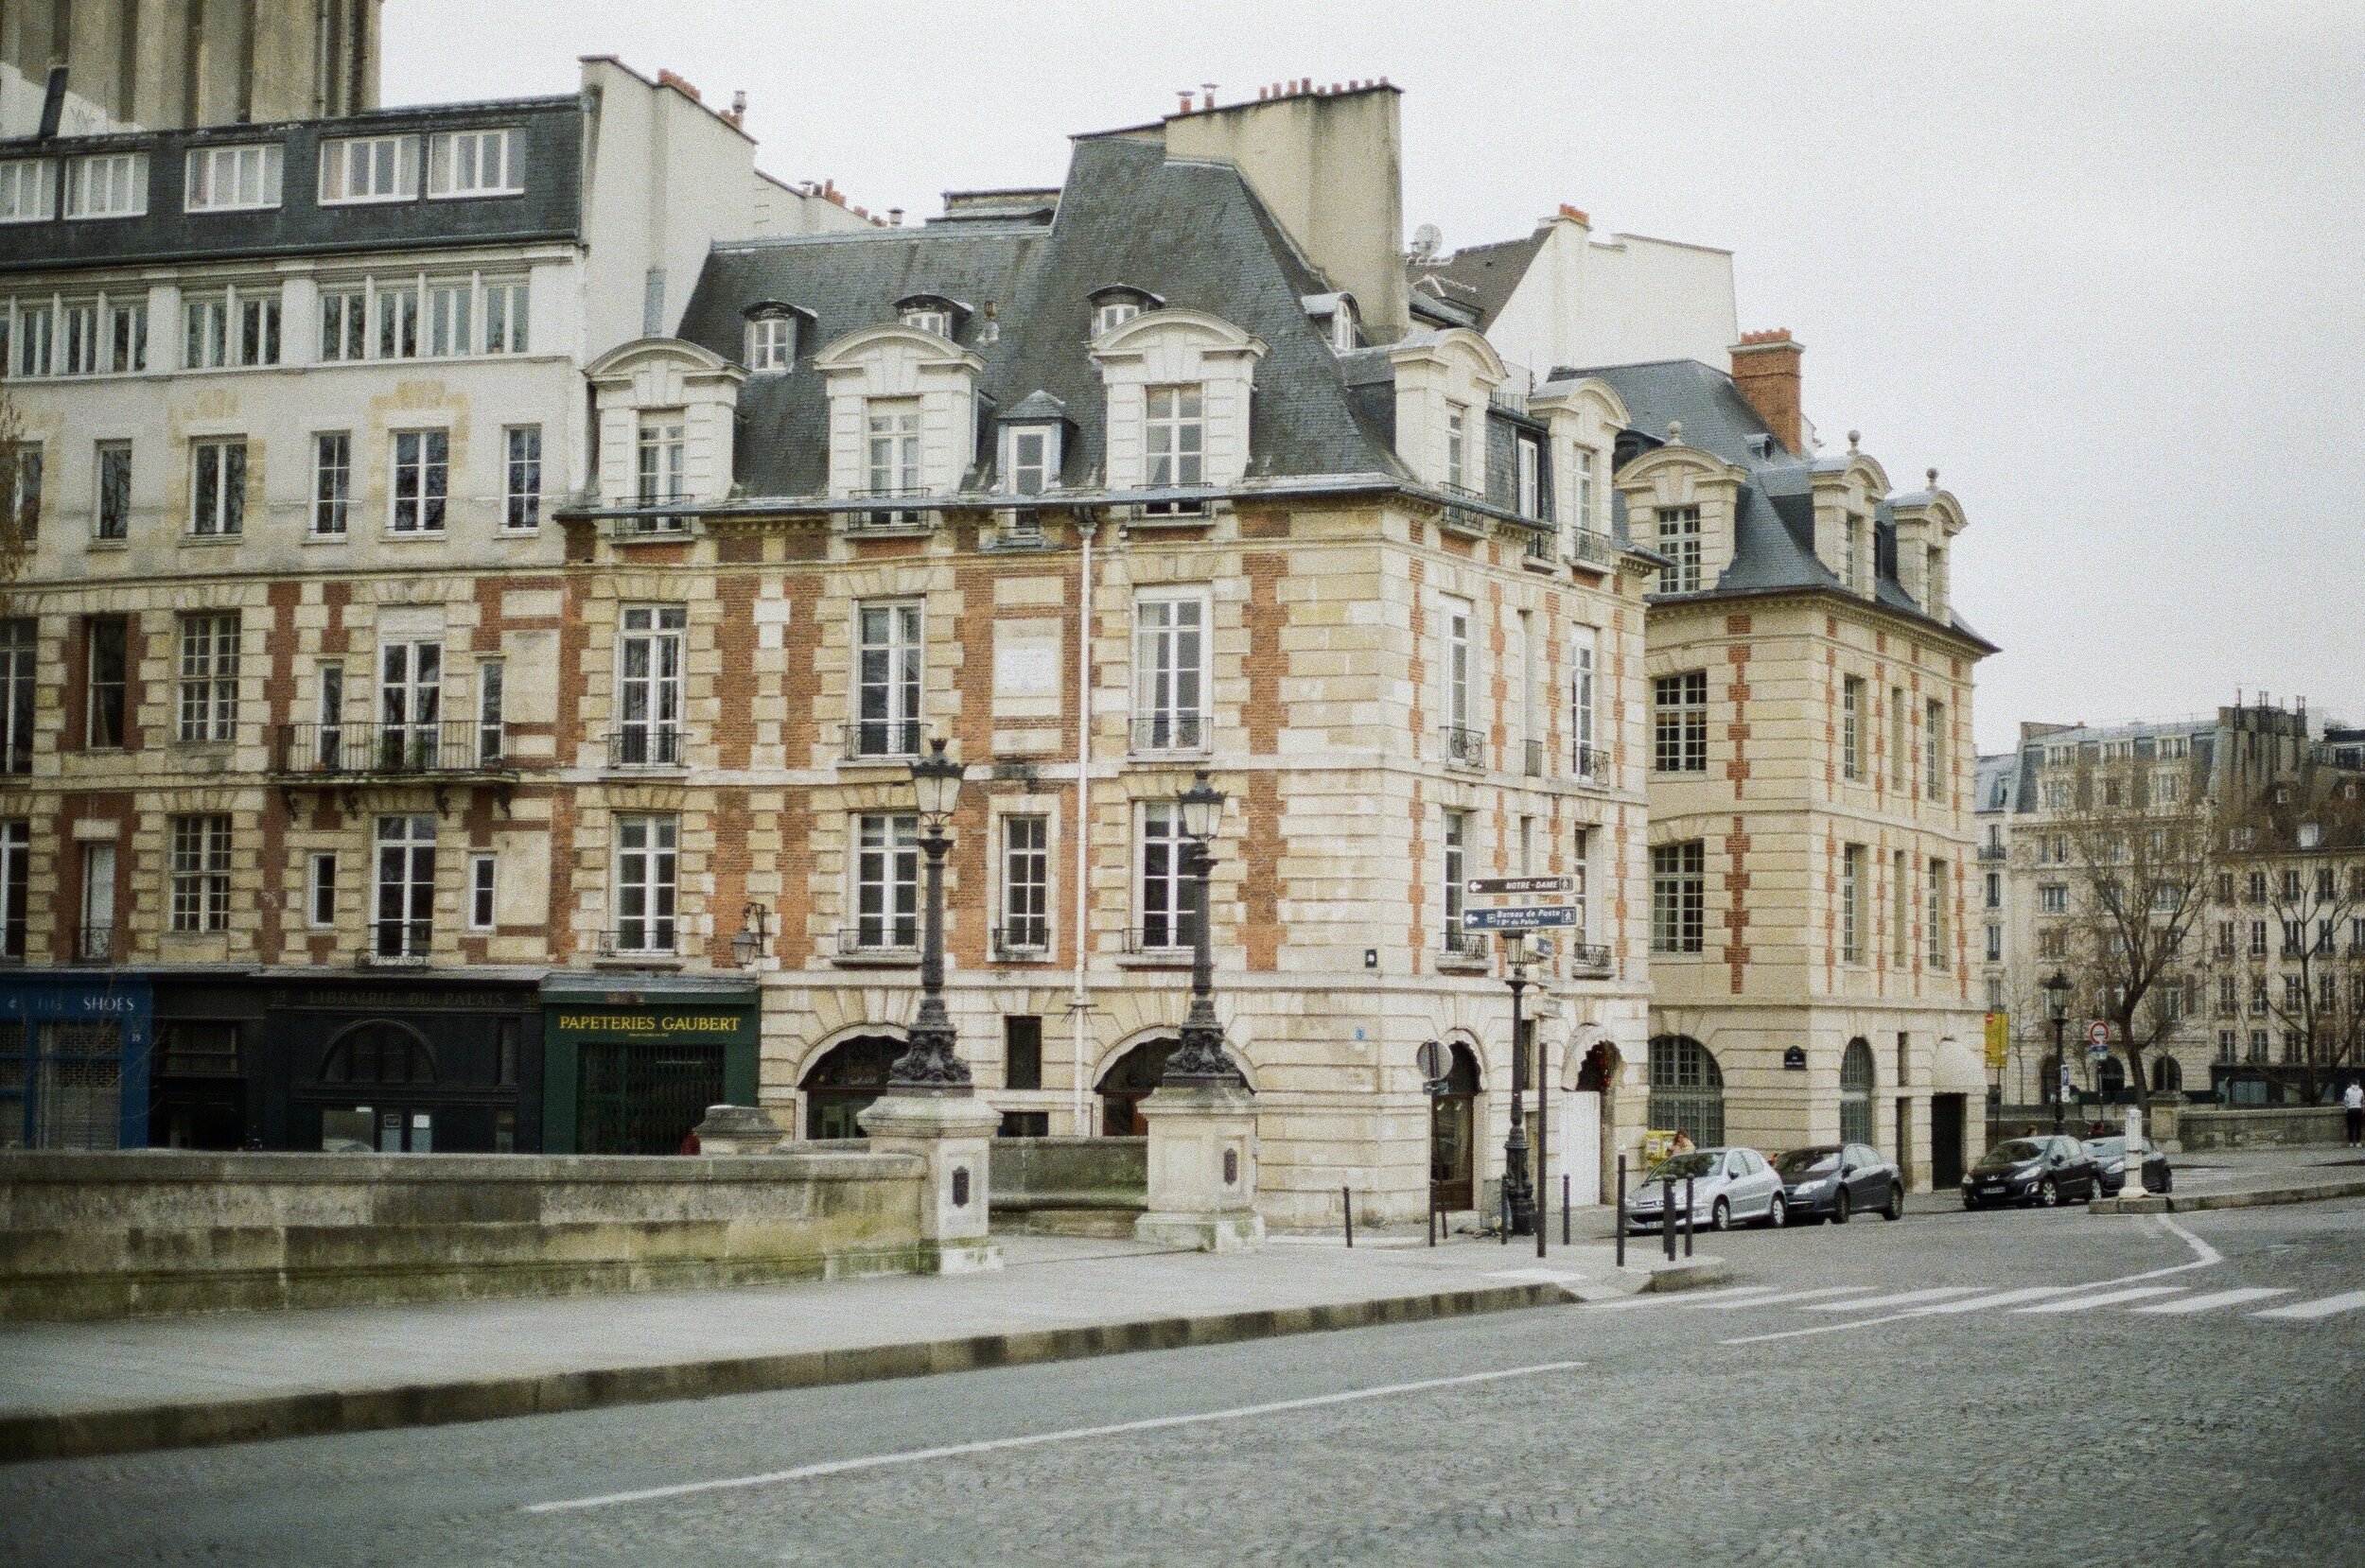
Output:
(930, 1065)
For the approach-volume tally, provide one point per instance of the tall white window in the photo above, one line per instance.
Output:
(1679, 541)
(505, 308)
(1167, 919)
(112, 517)
(1456, 833)
(34, 326)
(648, 693)
(1530, 477)
(18, 638)
(1583, 700)
(227, 178)
(772, 342)
(1934, 751)
(332, 482)
(1939, 942)
(1589, 467)
(201, 873)
(522, 489)
(1851, 728)
(410, 704)
(1678, 897)
(1175, 443)
(1901, 738)
(26, 187)
(369, 169)
(492, 723)
(1679, 717)
(1030, 458)
(1851, 543)
(1852, 895)
(887, 882)
(238, 326)
(1459, 666)
(404, 927)
(345, 322)
(1026, 884)
(891, 449)
(218, 486)
(1457, 447)
(422, 477)
(319, 890)
(450, 317)
(397, 306)
(105, 184)
(658, 459)
(474, 163)
(330, 750)
(1170, 673)
(1531, 717)
(646, 851)
(482, 903)
(888, 655)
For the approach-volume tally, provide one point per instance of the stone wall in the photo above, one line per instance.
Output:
(112, 1235)
(2261, 1130)
(1070, 1172)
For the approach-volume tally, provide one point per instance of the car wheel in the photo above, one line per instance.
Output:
(1896, 1210)
(1720, 1217)
(2048, 1195)
(1839, 1207)
(1776, 1213)
(1970, 1205)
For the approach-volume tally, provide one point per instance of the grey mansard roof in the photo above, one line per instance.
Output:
(1774, 525)
(1190, 231)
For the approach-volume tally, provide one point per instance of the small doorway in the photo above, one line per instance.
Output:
(1946, 1140)
(1131, 1079)
(1595, 1079)
(844, 1082)
(1453, 1134)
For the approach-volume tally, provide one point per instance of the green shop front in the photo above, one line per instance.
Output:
(631, 1062)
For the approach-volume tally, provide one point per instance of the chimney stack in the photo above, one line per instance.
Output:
(1765, 368)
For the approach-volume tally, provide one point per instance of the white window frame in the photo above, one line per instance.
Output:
(521, 478)
(771, 347)
(1111, 313)
(891, 448)
(506, 313)
(492, 719)
(232, 328)
(106, 185)
(1679, 539)
(890, 677)
(28, 190)
(1853, 864)
(1852, 694)
(1457, 435)
(252, 172)
(1679, 898)
(332, 483)
(102, 455)
(1025, 472)
(453, 152)
(1162, 894)
(1530, 453)
(218, 502)
(1679, 723)
(649, 697)
(1174, 442)
(883, 871)
(389, 167)
(660, 445)
(1585, 644)
(410, 701)
(1453, 835)
(320, 885)
(2053, 899)
(418, 489)
(1172, 649)
(1938, 926)
(647, 876)
(930, 319)
(403, 880)
(344, 319)
(1024, 904)
(1457, 626)
(1934, 755)
(200, 889)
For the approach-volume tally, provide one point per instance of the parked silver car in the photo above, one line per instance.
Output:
(1730, 1187)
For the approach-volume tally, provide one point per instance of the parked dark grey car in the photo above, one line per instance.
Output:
(2109, 1157)
(2043, 1171)
(1834, 1180)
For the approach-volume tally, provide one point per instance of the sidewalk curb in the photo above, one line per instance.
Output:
(2256, 1197)
(70, 1434)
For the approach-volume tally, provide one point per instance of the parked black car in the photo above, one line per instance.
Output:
(1834, 1180)
(2109, 1157)
(2043, 1171)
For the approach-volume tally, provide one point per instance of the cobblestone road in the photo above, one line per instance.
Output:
(2017, 1388)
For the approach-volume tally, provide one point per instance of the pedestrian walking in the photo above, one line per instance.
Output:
(2353, 1101)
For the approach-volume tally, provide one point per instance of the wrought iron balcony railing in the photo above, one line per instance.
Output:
(868, 519)
(1170, 732)
(1590, 763)
(1461, 942)
(896, 937)
(1168, 939)
(1591, 961)
(1022, 940)
(96, 945)
(399, 942)
(1463, 747)
(654, 936)
(885, 740)
(372, 749)
(645, 746)
(1593, 549)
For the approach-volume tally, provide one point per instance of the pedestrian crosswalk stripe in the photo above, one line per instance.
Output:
(2303, 1311)
(1788, 1296)
(1650, 1299)
(2213, 1299)
(2001, 1298)
(2107, 1299)
(1901, 1298)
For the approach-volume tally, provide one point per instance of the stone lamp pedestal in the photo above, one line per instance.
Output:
(1202, 1169)
(737, 1129)
(950, 1134)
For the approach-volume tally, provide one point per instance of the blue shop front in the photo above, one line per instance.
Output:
(74, 1059)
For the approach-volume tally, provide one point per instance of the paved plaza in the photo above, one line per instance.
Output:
(1952, 1389)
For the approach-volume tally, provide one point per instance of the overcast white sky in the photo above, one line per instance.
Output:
(2098, 263)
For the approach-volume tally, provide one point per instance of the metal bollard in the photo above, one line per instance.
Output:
(1346, 1206)
(1563, 1209)
(1506, 1218)
(1688, 1225)
(1433, 1213)
(1667, 1217)
(1620, 1226)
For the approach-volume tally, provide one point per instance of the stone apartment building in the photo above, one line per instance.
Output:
(2276, 952)
(297, 402)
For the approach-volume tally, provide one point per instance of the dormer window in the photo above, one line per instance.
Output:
(771, 342)
(1115, 306)
(1457, 447)
(1853, 543)
(230, 179)
(474, 163)
(1177, 429)
(1030, 458)
(1531, 477)
(369, 169)
(932, 313)
(930, 319)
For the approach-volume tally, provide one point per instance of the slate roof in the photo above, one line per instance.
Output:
(1488, 274)
(1774, 526)
(1191, 232)
(1994, 781)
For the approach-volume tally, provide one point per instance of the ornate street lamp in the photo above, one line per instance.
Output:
(1518, 1191)
(755, 931)
(1201, 1060)
(2056, 994)
(929, 1066)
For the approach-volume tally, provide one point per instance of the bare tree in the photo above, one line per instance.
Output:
(2138, 834)
(2295, 858)
(20, 495)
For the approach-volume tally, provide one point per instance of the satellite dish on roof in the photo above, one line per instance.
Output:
(1425, 241)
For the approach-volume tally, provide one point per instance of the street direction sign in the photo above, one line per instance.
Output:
(1519, 918)
(1483, 886)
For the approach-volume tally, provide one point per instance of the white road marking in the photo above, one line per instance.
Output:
(1898, 1298)
(2000, 1298)
(1770, 1301)
(2308, 1311)
(1538, 1276)
(1656, 1298)
(2107, 1299)
(1036, 1440)
(2213, 1300)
